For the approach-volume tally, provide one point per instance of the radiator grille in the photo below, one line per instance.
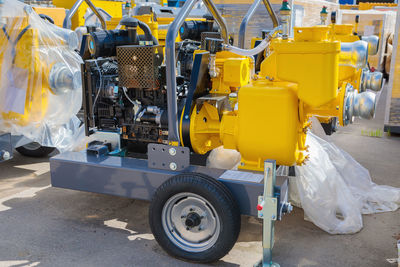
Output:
(139, 66)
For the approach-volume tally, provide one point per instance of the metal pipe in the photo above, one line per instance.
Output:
(74, 8)
(71, 12)
(249, 15)
(220, 20)
(254, 51)
(271, 13)
(173, 132)
(245, 21)
(97, 13)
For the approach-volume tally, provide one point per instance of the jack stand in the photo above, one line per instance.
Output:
(267, 210)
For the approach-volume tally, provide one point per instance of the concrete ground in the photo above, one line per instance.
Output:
(45, 226)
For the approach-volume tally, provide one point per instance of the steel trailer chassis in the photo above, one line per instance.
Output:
(256, 194)
(9, 142)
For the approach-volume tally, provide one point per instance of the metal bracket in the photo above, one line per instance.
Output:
(270, 208)
(267, 210)
(165, 157)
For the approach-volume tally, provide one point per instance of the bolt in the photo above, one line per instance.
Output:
(5, 155)
(183, 216)
(200, 228)
(172, 151)
(187, 228)
(241, 163)
(191, 209)
(173, 166)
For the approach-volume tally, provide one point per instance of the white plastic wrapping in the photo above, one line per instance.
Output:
(40, 80)
(333, 189)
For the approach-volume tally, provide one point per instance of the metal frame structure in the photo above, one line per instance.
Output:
(74, 8)
(135, 178)
(9, 142)
(249, 15)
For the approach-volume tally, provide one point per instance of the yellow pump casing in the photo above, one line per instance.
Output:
(27, 61)
(309, 52)
(234, 72)
(298, 78)
(266, 124)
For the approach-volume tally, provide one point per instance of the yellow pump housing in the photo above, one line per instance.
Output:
(40, 79)
(298, 79)
(26, 63)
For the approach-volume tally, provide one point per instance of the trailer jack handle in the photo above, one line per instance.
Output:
(270, 209)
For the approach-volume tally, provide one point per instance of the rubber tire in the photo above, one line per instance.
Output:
(219, 197)
(42, 151)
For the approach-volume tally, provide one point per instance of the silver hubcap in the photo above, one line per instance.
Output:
(190, 222)
(32, 146)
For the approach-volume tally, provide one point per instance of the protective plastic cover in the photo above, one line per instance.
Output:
(333, 189)
(40, 79)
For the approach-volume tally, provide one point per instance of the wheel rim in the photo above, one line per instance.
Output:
(32, 146)
(190, 222)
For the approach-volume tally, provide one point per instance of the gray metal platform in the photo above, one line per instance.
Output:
(131, 178)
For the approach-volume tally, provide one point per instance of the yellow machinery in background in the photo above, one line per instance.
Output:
(55, 14)
(24, 65)
(367, 5)
(34, 64)
(113, 8)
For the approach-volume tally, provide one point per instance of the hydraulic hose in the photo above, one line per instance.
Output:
(146, 29)
(254, 51)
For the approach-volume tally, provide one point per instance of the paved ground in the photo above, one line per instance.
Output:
(44, 226)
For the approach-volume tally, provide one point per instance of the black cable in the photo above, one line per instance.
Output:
(14, 43)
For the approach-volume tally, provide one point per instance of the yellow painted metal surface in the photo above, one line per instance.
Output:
(298, 79)
(294, 59)
(56, 13)
(234, 72)
(371, 5)
(28, 64)
(266, 124)
(111, 7)
(204, 129)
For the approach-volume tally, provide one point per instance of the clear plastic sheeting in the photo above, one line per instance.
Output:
(221, 158)
(334, 190)
(40, 78)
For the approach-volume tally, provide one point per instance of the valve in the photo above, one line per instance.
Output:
(324, 15)
(285, 12)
